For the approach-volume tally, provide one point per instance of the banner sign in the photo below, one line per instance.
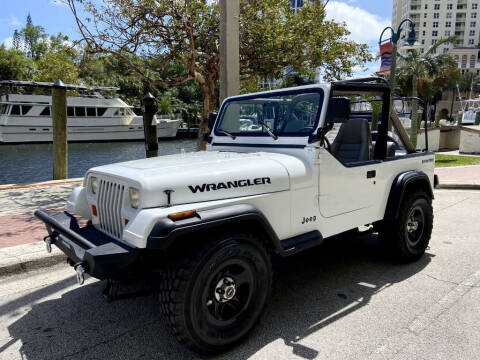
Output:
(386, 56)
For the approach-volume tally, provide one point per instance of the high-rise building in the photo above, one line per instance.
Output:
(437, 19)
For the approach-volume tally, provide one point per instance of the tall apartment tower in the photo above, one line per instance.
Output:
(437, 19)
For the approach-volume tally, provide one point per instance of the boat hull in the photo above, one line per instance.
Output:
(42, 134)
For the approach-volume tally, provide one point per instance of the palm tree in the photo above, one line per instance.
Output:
(469, 83)
(425, 75)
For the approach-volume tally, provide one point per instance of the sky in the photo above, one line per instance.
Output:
(364, 18)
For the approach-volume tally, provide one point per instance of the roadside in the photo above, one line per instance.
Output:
(21, 233)
(459, 177)
(343, 300)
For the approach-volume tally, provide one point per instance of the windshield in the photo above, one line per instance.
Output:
(283, 114)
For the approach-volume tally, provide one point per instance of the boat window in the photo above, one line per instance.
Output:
(70, 111)
(120, 112)
(79, 111)
(25, 109)
(101, 111)
(3, 108)
(45, 111)
(91, 111)
(15, 110)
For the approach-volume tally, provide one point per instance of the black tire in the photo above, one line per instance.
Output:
(202, 317)
(406, 238)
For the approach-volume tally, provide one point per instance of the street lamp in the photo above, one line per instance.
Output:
(409, 44)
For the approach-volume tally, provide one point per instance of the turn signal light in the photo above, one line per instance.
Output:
(182, 215)
(94, 210)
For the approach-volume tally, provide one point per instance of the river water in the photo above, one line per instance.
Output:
(28, 163)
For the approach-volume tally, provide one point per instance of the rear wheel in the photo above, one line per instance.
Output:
(214, 298)
(406, 238)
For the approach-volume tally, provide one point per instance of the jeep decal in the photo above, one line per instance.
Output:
(229, 184)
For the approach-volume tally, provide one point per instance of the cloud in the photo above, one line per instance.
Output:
(364, 27)
(371, 69)
(12, 21)
(57, 2)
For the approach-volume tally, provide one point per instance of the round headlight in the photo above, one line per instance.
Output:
(93, 184)
(134, 196)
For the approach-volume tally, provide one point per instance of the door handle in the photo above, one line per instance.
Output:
(371, 174)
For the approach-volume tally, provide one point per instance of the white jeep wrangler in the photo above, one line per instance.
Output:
(271, 183)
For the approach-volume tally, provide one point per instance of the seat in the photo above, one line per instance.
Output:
(353, 142)
(294, 125)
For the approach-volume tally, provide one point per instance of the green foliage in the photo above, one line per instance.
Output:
(57, 65)
(432, 72)
(469, 82)
(34, 38)
(14, 65)
(176, 42)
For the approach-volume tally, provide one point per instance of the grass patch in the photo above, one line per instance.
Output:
(455, 160)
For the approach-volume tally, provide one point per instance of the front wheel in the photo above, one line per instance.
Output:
(407, 237)
(214, 298)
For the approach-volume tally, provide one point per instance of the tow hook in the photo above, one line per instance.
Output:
(48, 243)
(80, 270)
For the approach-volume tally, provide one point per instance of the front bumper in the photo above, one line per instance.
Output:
(88, 249)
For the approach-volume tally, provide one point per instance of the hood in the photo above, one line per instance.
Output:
(203, 176)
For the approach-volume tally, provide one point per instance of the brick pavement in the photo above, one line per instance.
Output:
(18, 225)
(459, 175)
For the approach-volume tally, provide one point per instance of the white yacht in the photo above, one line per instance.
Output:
(27, 119)
(469, 111)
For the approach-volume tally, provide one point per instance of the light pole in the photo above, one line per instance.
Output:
(409, 44)
(229, 48)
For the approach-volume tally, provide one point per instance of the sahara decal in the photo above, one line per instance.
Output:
(229, 184)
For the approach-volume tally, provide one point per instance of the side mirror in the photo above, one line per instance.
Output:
(212, 117)
(338, 111)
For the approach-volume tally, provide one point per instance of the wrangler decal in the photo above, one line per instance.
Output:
(229, 184)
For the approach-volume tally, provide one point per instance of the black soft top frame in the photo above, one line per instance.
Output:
(377, 86)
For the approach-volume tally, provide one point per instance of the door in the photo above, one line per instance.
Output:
(345, 189)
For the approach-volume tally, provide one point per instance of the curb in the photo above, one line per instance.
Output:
(24, 258)
(38, 184)
(458, 186)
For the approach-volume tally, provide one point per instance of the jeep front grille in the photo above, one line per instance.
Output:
(110, 203)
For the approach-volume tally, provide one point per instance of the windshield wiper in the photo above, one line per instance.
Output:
(227, 133)
(269, 130)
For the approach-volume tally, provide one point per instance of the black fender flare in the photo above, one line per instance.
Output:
(166, 231)
(401, 184)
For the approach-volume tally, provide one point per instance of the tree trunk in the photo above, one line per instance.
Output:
(209, 102)
(453, 103)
